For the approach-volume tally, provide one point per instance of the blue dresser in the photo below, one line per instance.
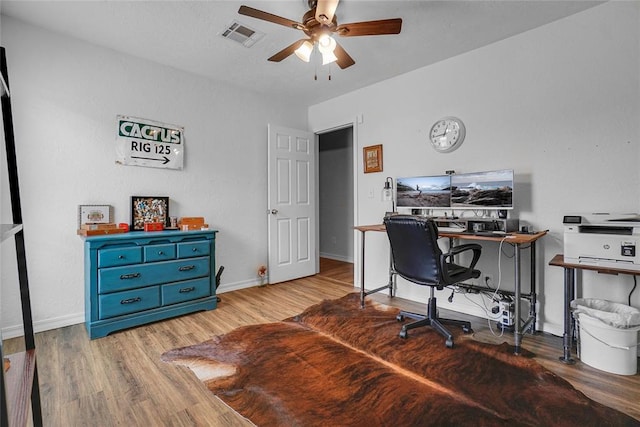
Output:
(141, 277)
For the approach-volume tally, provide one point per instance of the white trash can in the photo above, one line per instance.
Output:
(607, 335)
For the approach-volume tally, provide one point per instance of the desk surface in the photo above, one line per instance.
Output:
(558, 261)
(373, 227)
(509, 237)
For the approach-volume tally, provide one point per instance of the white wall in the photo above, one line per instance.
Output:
(66, 95)
(559, 104)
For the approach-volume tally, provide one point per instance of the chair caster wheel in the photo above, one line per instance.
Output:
(400, 318)
(449, 343)
(403, 334)
(467, 330)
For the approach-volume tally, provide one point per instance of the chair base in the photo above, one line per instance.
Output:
(432, 319)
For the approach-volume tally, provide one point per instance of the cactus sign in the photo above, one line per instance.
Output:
(142, 142)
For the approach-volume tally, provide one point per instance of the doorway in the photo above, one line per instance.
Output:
(336, 195)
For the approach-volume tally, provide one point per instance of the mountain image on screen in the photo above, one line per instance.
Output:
(482, 190)
(424, 192)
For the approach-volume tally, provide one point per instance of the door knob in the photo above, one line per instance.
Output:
(274, 211)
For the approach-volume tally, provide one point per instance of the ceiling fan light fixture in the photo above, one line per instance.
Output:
(304, 51)
(318, 24)
(326, 43)
(326, 46)
(328, 58)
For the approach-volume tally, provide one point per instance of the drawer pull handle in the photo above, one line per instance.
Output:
(129, 276)
(186, 267)
(130, 300)
(160, 253)
(195, 249)
(186, 290)
(120, 256)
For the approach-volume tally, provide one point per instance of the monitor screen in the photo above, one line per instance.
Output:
(482, 190)
(423, 192)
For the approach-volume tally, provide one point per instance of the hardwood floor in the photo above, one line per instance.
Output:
(120, 380)
(336, 270)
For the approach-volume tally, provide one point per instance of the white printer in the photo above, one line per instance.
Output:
(602, 239)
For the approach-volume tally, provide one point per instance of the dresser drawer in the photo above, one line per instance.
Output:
(120, 303)
(185, 291)
(164, 252)
(136, 276)
(119, 256)
(193, 249)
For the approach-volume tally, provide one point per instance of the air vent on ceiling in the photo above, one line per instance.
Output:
(242, 34)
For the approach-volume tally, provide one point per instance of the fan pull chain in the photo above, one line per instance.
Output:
(315, 69)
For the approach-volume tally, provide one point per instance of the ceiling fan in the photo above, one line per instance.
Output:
(319, 24)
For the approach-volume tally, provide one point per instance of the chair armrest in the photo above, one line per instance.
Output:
(475, 247)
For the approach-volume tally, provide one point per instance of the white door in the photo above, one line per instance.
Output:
(292, 204)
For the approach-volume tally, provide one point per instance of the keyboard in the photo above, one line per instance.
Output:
(452, 229)
(487, 233)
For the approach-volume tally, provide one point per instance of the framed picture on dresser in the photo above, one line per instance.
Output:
(95, 214)
(146, 209)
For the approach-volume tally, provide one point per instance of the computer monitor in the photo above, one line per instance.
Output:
(426, 192)
(482, 190)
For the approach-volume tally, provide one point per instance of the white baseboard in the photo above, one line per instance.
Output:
(463, 308)
(74, 319)
(336, 257)
(228, 287)
(44, 325)
(552, 328)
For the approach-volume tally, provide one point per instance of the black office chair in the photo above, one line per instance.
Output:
(417, 258)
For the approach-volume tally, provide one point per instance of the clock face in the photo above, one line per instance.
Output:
(447, 134)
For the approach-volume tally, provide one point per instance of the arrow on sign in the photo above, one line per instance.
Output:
(164, 162)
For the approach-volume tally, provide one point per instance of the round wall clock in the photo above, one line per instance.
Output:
(447, 134)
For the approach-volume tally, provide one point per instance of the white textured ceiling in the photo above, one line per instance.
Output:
(185, 34)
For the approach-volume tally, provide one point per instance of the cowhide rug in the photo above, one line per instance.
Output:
(336, 364)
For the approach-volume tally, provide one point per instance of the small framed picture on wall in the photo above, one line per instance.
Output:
(373, 158)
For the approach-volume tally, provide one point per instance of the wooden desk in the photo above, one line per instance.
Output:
(515, 239)
(570, 294)
(391, 284)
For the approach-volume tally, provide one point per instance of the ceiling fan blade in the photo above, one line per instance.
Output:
(287, 51)
(265, 16)
(344, 60)
(370, 28)
(325, 9)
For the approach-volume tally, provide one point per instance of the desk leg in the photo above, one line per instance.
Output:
(392, 276)
(517, 329)
(533, 314)
(362, 270)
(569, 294)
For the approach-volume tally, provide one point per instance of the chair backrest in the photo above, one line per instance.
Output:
(414, 248)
